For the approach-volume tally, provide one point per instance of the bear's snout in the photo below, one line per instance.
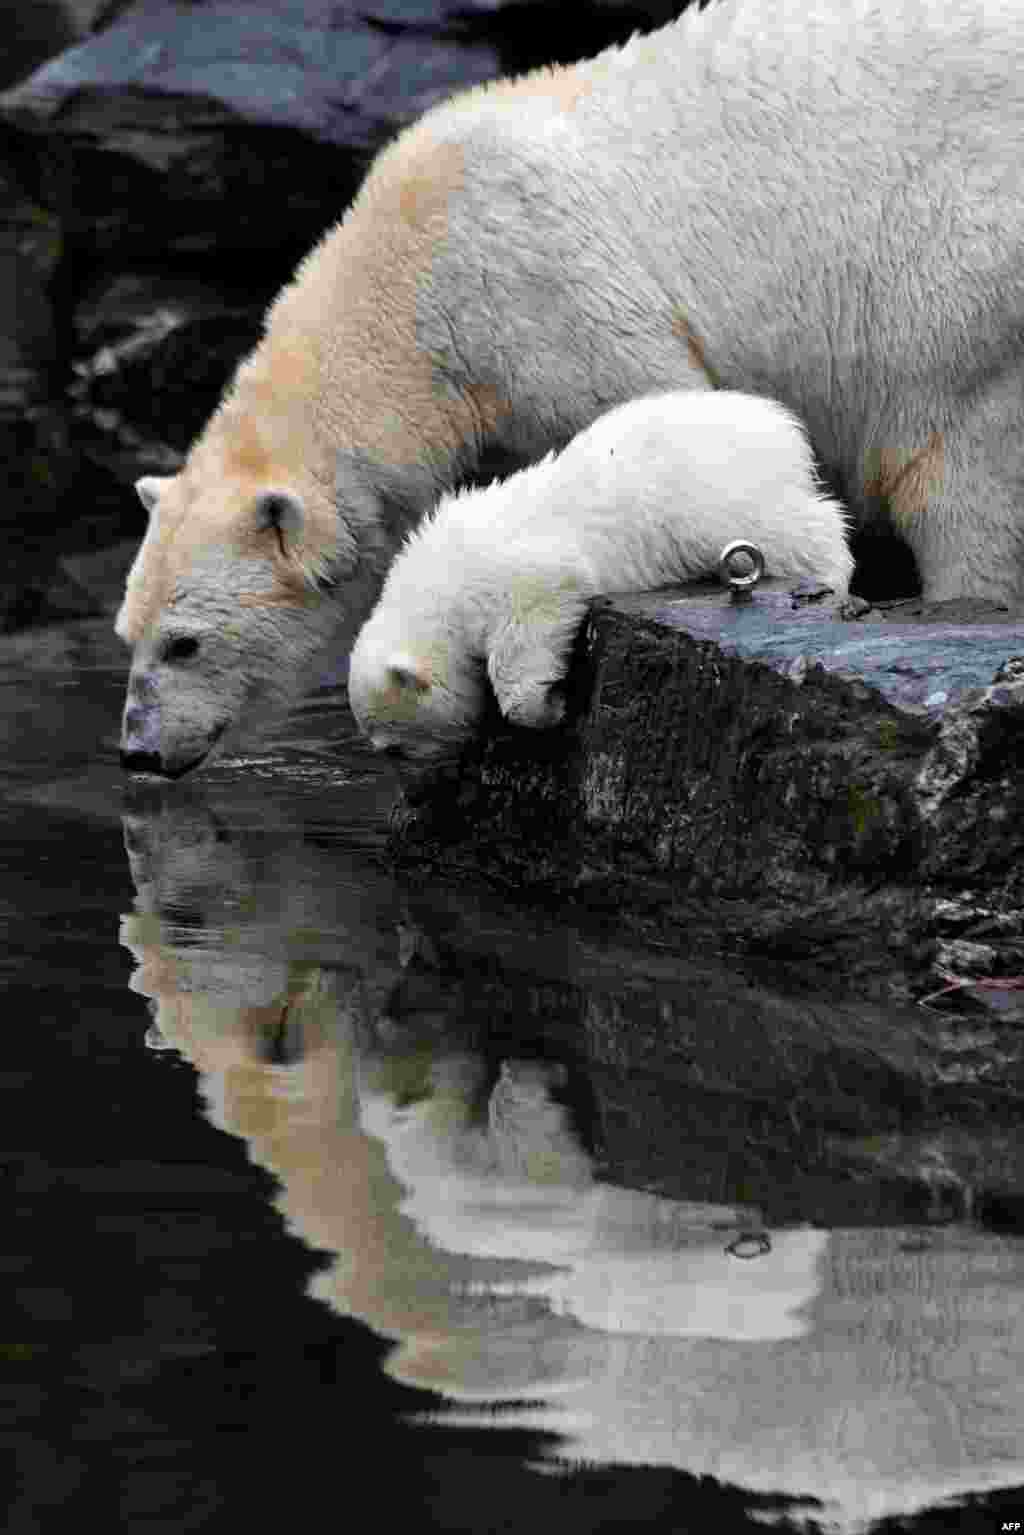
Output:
(142, 762)
(140, 731)
(149, 748)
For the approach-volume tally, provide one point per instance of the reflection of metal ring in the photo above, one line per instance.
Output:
(740, 565)
(751, 1244)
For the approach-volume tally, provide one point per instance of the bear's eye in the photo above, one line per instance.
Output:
(182, 648)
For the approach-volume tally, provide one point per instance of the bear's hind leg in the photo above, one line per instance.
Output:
(968, 539)
(959, 499)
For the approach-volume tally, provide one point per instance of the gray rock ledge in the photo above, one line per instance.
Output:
(767, 777)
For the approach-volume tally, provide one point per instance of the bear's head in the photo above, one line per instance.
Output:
(415, 696)
(243, 581)
(225, 609)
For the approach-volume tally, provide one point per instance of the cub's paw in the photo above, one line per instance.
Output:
(528, 662)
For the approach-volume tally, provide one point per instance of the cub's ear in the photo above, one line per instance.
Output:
(149, 490)
(409, 672)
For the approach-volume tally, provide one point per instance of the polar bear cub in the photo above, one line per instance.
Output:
(497, 580)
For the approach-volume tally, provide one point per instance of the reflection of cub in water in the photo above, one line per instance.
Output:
(462, 1218)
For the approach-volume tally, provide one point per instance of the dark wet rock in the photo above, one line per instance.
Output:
(216, 126)
(35, 30)
(46, 483)
(317, 66)
(43, 593)
(30, 249)
(34, 451)
(769, 776)
(100, 575)
(153, 353)
(186, 128)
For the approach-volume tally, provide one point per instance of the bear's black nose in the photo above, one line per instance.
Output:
(143, 762)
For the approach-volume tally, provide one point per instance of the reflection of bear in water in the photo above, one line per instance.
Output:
(461, 1217)
(382, 1125)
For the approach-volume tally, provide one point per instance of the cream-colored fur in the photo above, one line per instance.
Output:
(497, 580)
(821, 203)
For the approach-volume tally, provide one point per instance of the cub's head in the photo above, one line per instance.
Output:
(415, 694)
(238, 587)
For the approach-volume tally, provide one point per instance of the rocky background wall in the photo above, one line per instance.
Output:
(163, 166)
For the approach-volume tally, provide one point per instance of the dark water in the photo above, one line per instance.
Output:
(332, 1197)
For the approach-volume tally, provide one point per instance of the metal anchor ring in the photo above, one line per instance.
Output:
(740, 568)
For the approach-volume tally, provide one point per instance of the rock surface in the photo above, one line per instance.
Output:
(33, 431)
(34, 30)
(341, 75)
(835, 794)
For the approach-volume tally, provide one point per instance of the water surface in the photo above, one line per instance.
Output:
(324, 1185)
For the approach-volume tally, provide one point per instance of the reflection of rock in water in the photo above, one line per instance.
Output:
(528, 1128)
(862, 1367)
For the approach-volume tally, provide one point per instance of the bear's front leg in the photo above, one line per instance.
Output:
(529, 648)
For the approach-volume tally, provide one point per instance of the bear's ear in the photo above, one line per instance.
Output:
(148, 490)
(405, 671)
(321, 569)
(284, 512)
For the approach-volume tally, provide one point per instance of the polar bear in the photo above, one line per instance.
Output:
(498, 579)
(821, 204)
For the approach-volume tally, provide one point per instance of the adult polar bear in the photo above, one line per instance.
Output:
(819, 201)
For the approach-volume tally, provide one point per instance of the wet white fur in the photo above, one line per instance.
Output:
(499, 578)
